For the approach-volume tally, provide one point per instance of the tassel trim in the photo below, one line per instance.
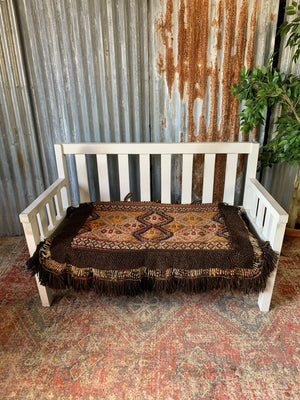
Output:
(147, 282)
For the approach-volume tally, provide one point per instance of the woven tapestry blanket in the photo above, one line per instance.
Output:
(124, 246)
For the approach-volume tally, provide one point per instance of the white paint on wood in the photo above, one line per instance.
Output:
(264, 298)
(230, 178)
(32, 234)
(103, 177)
(123, 175)
(252, 162)
(60, 161)
(268, 200)
(145, 183)
(160, 148)
(51, 213)
(260, 214)
(42, 223)
(187, 178)
(208, 178)
(82, 176)
(46, 294)
(42, 200)
(254, 206)
(166, 178)
(65, 196)
(58, 204)
(274, 230)
(251, 166)
(267, 222)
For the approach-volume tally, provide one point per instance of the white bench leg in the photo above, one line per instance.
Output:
(264, 298)
(45, 293)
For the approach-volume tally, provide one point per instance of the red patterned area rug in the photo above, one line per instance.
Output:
(150, 347)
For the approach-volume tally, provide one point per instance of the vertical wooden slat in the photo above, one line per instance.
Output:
(251, 165)
(82, 176)
(60, 161)
(187, 175)
(166, 178)
(145, 177)
(62, 173)
(42, 223)
(103, 177)
(230, 178)
(253, 210)
(208, 178)
(260, 214)
(266, 228)
(59, 204)
(123, 175)
(65, 196)
(51, 213)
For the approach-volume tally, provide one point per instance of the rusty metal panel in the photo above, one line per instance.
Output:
(197, 49)
(21, 177)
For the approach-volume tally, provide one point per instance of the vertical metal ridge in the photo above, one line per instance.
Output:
(101, 73)
(20, 170)
(112, 71)
(124, 77)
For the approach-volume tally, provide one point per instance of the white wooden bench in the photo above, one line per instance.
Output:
(266, 216)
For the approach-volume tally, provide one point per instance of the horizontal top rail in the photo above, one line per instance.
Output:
(159, 148)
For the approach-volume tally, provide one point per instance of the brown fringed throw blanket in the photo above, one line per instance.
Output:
(126, 247)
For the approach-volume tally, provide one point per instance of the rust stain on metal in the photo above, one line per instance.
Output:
(227, 66)
(238, 61)
(198, 71)
(165, 25)
(21, 161)
(213, 132)
(160, 64)
(229, 28)
(164, 122)
(192, 63)
(273, 16)
(250, 47)
(218, 22)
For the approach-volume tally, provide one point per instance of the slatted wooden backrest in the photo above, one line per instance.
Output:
(165, 150)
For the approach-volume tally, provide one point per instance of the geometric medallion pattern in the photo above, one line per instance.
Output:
(130, 225)
(153, 226)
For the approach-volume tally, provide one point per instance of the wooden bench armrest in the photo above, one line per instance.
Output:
(266, 216)
(45, 213)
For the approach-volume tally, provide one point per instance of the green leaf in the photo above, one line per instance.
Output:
(264, 69)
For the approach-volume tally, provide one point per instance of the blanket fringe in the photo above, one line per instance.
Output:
(135, 287)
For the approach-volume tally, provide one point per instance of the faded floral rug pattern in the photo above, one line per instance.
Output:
(149, 347)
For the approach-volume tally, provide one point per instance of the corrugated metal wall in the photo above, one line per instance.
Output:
(118, 70)
(87, 63)
(280, 178)
(21, 177)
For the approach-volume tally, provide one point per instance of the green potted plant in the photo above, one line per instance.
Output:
(261, 88)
